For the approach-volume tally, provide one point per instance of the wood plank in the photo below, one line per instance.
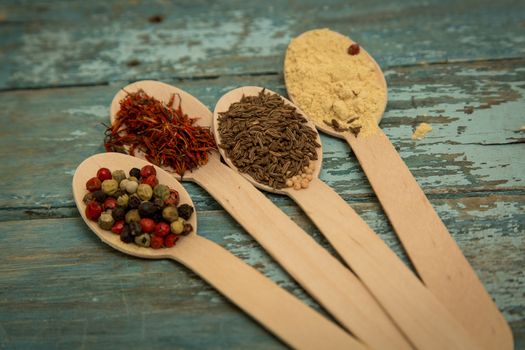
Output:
(466, 152)
(57, 43)
(64, 283)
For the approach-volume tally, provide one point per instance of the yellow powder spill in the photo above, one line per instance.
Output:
(327, 83)
(421, 130)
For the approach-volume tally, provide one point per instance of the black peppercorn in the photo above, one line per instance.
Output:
(187, 229)
(185, 211)
(99, 196)
(134, 202)
(134, 228)
(157, 216)
(135, 172)
(159, 203)
(147, 209)
(118, 213)
(125, 235)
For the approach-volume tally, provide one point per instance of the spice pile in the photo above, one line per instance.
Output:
(166, 136)
(335, 82)
(269, 140)
(137, 208)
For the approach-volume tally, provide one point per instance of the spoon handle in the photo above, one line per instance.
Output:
(318, 272)
(416, 311)
(280, 312)
(433, 252)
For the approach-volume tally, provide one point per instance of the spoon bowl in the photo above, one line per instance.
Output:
(115, 161)
(163, 92)
(235, 95)
(295, 93)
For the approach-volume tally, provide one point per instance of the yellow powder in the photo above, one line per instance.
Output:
(327, 83)
(421, 130)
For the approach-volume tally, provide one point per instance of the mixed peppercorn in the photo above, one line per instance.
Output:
(137, 207)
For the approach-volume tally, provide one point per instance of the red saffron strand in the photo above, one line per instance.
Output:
(165, 134)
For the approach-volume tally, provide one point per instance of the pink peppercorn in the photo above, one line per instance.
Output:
(147, 171)
(118, 227)
(156, 242)
(147, 225)
(169, 240)
(110, 203)
(93, 184)
(162, 229)
(150, 180)
(104, 174)
(93, 210)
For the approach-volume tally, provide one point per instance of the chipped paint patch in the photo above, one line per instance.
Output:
(101, 112)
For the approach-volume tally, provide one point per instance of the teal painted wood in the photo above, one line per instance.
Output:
(64, 288)
(47, 133)
(75, 42)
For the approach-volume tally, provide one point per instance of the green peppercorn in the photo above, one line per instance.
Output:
(147, 209)
(118, 175)
(109, 186)
(118, 213)
(185, 211)
(135, 229)
(125, 235)
(88, 198)
(105, 221)
(170, 214)
(134, 201)
(161, 191)
(144, 192)
(99, 196)
(133, 178)
(143, 240)
(177, 226)
(123, 201)
(132, 215)
(135, 172)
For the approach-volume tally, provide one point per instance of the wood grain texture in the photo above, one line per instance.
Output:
(69, 43)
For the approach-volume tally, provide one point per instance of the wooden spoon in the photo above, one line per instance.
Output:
(416, 311)
(318, 272)
(277, 310)
(433, 252)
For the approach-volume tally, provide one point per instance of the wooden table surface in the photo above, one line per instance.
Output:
(458, 65)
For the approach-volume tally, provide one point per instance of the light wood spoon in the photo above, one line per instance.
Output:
(433, 252)
(277, 310)
(416, 311)
(317, 271)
